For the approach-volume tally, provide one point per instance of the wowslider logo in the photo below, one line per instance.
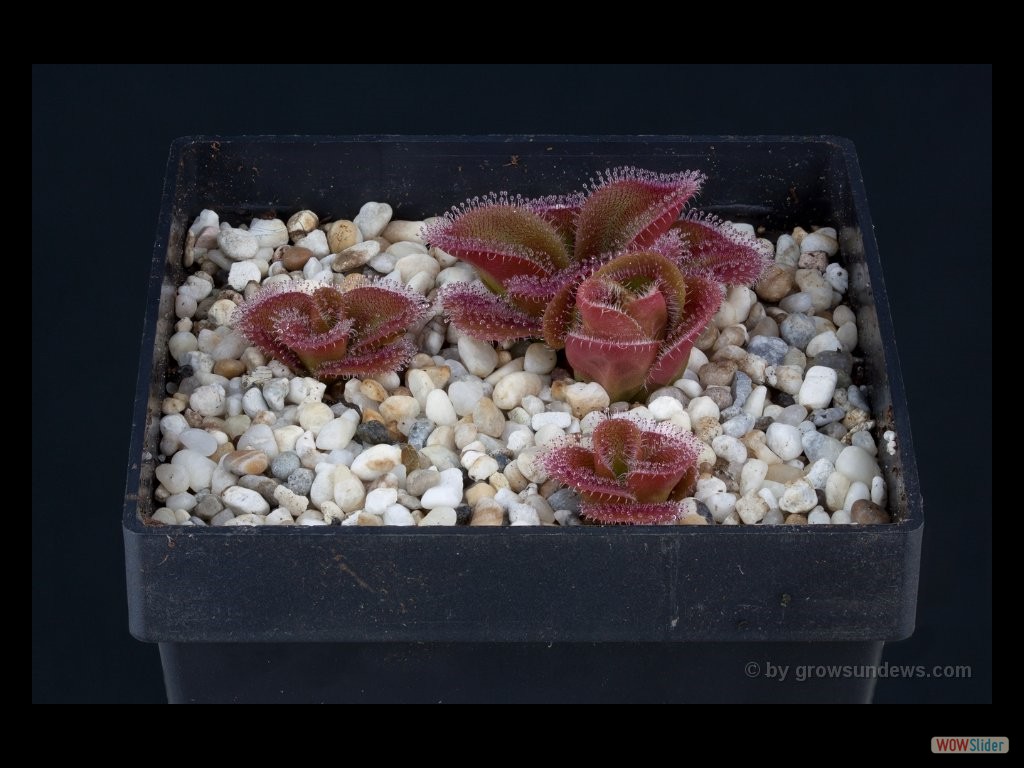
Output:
(976, 745)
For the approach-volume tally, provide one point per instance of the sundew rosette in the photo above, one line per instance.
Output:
(330, 333)
(628, 470)
(612, 275)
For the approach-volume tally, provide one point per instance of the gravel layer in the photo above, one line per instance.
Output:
(454, 439)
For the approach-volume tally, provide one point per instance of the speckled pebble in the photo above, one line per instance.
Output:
(798, 329)
(373, 433)
(300, 481)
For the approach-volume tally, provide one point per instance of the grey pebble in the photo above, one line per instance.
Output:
(771, 348)
(284, 464)
(721, 395)
(739, 425)
(300, 481)
(462, 514)
(419, 432)
(858, 399)
(728, 413)
(264, 486)
(673, 392)
(835, 429)
(703, 511)
(792, 415)
(567, 517)
(800, 301)
(839, 361)
(784, 399)
(208, 507)
(822, 416)
(863, 439)
(565, 498)
(818, 446)
(420, 481)
(741, 388)
(373, 433)
(798, 329)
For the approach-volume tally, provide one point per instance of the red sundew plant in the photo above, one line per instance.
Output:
(632, 471)
(613, 275)
(328, 333)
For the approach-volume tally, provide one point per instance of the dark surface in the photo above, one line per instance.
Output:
(584, 584)
(100, 137)
(547, 673)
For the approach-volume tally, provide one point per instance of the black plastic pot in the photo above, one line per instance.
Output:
(525, 614)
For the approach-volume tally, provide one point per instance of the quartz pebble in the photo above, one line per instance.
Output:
(799, 496)
(784, 441)
(479, 357)
(857, 464)
(818, 387)
(376, 461)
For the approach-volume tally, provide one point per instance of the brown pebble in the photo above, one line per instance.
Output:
(222, 450)
(776, 284)
(766, 326)
(558, 388)
(717, 374)
(214, 423)
(498, 481)
(796, 519)
(488, 418)
(867, 512)
(707, 338)
(294, 257)
(353, 280)
(548, 487)
(351, 258)
(855, 417)
(192, 418)
(516, 480)
(813, 260)
(692, 519)
(783, 473)
(373, 390)
(439, 375)
(722, 396)
(365, 518)
(477, 492)
(735, 335)
(412, 460)
(755, 315)
(342, 234)
(247, 462)
(487, 512)
(229, 369)
(173, 404)
(371, 415)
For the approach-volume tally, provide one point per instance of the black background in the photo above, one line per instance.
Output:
(99, 144)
